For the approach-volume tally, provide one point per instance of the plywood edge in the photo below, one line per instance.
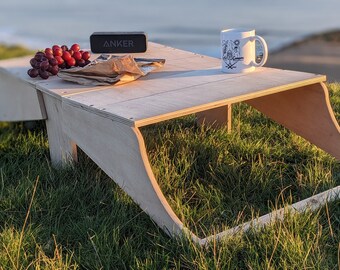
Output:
(219, 103)
(47, 91)
(312, 203)
(99, 112)
(163, 117)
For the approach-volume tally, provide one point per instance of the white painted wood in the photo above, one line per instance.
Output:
(120, 151)
(63, 151)
(19, 101)
(310, 204)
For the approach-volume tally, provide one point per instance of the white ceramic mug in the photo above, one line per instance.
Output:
(238, 50)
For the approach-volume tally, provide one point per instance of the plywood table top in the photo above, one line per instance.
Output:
(187, 83)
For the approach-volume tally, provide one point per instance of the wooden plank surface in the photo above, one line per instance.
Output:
(148, 101)
(187, 83)
(17, 68)
(177, 62)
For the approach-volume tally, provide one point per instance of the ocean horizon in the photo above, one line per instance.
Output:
(187, 25)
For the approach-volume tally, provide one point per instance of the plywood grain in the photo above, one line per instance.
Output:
(120, 151)
(307, 112)
(63, 151)
(178, 61)
(146, 102)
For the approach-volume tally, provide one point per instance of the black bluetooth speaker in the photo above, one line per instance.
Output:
(118, 42)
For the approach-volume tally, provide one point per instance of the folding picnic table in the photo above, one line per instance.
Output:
(105, 121)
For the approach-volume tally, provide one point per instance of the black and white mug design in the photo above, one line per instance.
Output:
(238, 50)
(231, 53)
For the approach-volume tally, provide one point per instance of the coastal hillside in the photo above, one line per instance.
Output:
(317, 54)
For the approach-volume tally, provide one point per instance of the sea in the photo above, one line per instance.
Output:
(187, 24)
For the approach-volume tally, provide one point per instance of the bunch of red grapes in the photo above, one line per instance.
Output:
(48, 62)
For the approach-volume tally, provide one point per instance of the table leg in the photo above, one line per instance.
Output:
(217, 117)
(120, 152)
(305, 111)
(63, 151)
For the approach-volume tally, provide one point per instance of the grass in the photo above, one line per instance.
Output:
(78, 218)
(13, 51)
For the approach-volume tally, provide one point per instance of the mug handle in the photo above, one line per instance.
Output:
(265, 51)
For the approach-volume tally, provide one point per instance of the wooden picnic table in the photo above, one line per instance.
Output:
(104, 121)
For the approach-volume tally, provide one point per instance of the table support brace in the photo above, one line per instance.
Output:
(305, 111)
(120, 151)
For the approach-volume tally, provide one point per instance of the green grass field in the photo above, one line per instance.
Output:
(78, 218)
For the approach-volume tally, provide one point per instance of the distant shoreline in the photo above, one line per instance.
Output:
(318, 53)
(325, 36)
